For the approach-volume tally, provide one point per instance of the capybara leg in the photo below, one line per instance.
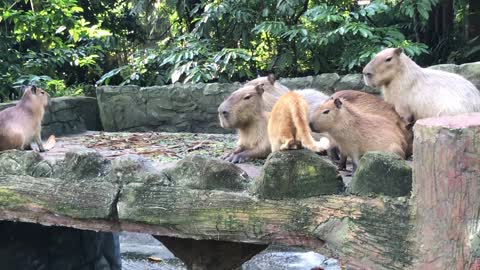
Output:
(228, 155)
(342, 163)
(38, 141)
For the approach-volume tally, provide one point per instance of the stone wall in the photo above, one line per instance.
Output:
(193, 107)
(182, 107)
(69, 115)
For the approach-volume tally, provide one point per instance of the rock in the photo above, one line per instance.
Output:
(350, 82)
(121, 107)
(297, 174)
(382, 173)
(471, 72)
(198, 172)
(372, 90)
(71, 115)
(325, 82)
(133, 168)
(297, 83)
(172, 108)
(80, 165)
(446, 67)
(18, 162)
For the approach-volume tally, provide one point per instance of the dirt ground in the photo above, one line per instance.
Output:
(162, 148)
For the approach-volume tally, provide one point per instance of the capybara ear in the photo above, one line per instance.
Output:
(338, 103)
(271, 78)
(34, 89)
(398, 51)
(23, 89)
(259, 89)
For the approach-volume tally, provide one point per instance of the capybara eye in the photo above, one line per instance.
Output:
(388, 59)
(247, 97)
(326, 111)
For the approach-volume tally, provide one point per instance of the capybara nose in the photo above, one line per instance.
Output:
(311, 125)
(225, 113)
(367, 74)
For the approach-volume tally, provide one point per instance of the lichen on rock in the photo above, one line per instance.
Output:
(297, 174)
(382, 173)
(198, 172)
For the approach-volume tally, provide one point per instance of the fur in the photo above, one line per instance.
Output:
(288, 125)
(357, 132)
(420, 92)
(22, 124)
(371, 104)
(247, 110)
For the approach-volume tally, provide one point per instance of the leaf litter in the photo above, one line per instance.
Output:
(160, 146)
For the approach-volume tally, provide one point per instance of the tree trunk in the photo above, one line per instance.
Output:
(474, 18)
(439, 28)
(446, 190)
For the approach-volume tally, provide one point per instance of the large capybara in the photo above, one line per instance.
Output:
(357, 132)
(418, 92)
(22, 124)
(371, 104)
(247, 110)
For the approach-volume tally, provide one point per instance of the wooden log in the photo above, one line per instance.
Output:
(363, 232)
(51, 201)
(446, 191)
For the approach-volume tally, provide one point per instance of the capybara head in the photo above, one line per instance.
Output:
(383, 67)
(326, 115)
(242, 107)
(36, 96)
(268, 82)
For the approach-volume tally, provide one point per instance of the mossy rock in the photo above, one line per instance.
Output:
(136, 169)
(382, 173)
(297, 174)
(80, 165)
(17, 162)
(199, 172)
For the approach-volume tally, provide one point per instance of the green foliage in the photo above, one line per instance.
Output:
(63, 45)
(50, 44)
(233, 40)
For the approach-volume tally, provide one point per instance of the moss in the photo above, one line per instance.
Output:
(297, 174)
(300, 220)
(10, 199)
(382, 173)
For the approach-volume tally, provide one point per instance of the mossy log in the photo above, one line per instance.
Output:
(365, 232)
(446, 190)
(51, 201)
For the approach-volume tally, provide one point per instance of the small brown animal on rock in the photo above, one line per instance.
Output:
(357, 132)
(371, 104)
(22, 124)
(288, 126)
(244, 110)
